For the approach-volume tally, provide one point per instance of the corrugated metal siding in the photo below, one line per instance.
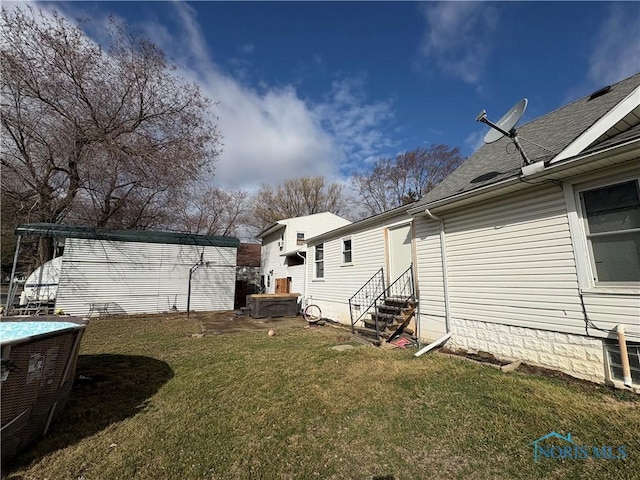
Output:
(342, 281)
(144, 277)
(511, 262)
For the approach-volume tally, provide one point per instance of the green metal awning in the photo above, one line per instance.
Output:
(141, 236)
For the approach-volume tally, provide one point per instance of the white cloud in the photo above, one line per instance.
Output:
(247, 48)
(458, 37)
(269, 133)
(475, 140)
(275, 135)
(355, 124)
(617, 52)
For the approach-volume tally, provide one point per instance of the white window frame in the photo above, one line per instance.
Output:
(342, 242)
(316, 261)
(300, 241)
(612, 348)
(582, 247)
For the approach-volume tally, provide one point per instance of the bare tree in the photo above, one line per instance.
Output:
(297, 197)
(395, 182)
(95, 136)
(212, 211)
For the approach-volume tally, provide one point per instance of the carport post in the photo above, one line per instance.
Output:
(11, 293)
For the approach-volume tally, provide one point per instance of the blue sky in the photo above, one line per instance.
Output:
(325, 88)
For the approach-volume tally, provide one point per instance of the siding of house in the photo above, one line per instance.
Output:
(296, 272)
(431, 306)
(310, 225)
(511, 262)
(340, 281)
(513, 285)
(272, 258)
(131, 277)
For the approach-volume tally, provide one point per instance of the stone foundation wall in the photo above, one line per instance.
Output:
(576, 355)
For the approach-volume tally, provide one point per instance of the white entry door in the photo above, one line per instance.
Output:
(400, 251)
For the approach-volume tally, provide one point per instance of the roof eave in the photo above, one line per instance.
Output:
(271, 229)
(621, 150)
(357, 225)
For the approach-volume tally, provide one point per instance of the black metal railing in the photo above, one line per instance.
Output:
(402, 288)
(400, 292)
(363, 299)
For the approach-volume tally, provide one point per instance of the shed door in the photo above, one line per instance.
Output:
(400, 252)
(283, 285)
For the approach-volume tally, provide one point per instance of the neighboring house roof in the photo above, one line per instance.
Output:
(142, 236)
(555, 131)
(274, 227)
(249, 255)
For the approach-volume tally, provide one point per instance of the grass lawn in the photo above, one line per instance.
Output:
(163, 404)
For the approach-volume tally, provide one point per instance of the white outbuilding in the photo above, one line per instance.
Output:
(130, 271)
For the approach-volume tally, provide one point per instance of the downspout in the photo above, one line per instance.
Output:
(304, 262)
(191, 270)
(626, 369)
(445, 280)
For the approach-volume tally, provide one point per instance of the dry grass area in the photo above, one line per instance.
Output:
(164, 402)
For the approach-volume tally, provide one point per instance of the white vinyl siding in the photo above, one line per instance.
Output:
(431, 304)
(272, 256)
(296, 273)
(131, 277)
(511, 262)
(340, 284)
(272, 262)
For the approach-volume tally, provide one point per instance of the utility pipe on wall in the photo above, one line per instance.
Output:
(445, 280)
(626, 369)
(12, 281)
(304, 262)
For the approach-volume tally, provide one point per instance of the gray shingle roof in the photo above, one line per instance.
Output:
(555, 131)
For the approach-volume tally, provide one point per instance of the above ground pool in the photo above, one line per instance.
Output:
(39, 357)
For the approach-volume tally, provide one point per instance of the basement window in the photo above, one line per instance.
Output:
(615, 361)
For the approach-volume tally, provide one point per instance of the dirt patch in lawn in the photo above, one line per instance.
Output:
(218, 323)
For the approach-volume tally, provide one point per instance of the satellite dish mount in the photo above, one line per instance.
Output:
(505, 127)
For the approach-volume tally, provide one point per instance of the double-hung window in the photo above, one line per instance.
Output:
(611, 217)
(319, 260)
(347, 254)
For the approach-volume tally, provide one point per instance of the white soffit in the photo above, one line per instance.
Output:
(620, 118)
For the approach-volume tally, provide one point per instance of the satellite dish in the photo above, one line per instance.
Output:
(505, 127)
(506, 123)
